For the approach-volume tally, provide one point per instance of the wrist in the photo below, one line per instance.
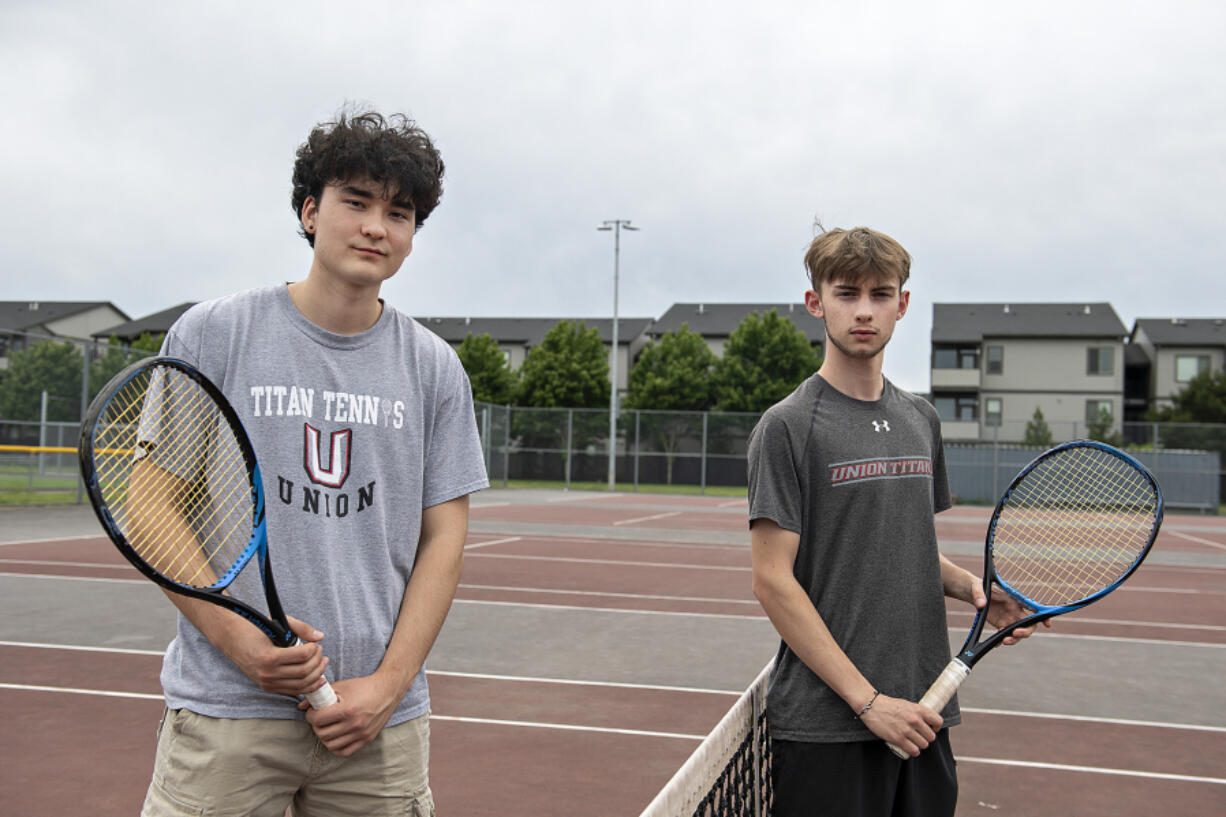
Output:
(868, 704)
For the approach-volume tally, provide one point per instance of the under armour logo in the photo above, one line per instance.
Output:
(883, 425)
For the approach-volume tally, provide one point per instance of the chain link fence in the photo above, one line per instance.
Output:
(571, 446)
(43, 397)
(704, 449)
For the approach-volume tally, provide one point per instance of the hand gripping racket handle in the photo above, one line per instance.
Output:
(942, 689)
(322, 697)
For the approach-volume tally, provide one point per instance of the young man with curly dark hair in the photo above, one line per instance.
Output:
(363, 423)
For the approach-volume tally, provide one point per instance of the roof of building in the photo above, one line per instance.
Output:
(529, 331)
(158, 322)
(20, 315)
(1183, 331)
(718, 320)
(971, 323)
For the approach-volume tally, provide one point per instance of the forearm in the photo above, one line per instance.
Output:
(805, 632)
(283, 670)
(957, 582)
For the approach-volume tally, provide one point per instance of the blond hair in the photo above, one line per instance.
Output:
(855, 256)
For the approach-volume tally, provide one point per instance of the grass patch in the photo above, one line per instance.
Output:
(38, 497)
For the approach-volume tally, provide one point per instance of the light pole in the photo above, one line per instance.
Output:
(616, 225)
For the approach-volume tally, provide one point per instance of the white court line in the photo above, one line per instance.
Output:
(581, 498)
(73, 578)
(52, 539)
(661, 688)
(622, 610)
(568, 727)
(1061, 767)
(54, 563)
(37, 645)
(647, 518)
(1157, 642)
(1129, 623)
(577, 560)
(1197, 539)
(565, 592)
(1087, 719)
(681, 736)
(553, 538)
(74, 691)
(733, 503)
(502, 541)
(478, 505)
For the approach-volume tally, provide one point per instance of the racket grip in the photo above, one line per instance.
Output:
(942, 689)
(322, 697)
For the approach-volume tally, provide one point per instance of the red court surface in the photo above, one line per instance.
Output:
(594, 640)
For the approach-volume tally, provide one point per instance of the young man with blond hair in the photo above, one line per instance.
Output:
(845, 476)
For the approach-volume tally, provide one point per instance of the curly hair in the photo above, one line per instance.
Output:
(390, 151)
(852, 256)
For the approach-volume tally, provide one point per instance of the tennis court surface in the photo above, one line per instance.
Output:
(595, 640)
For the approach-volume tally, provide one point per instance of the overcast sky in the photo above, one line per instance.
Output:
(1043, 151)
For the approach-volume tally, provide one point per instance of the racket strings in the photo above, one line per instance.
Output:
(174, 475)
(1073, 526)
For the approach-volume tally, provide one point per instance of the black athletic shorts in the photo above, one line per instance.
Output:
(862, 779)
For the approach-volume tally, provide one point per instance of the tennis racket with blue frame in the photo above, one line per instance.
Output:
(1071, 527)
(174, 480)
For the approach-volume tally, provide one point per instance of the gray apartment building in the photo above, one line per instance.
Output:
(1168, 352)
(993, 364)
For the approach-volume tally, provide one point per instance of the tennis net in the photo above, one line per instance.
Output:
(728, 775)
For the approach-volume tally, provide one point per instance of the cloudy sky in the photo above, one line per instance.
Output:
(1043, 151)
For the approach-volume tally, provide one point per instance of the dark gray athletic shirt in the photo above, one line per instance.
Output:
(860, 482)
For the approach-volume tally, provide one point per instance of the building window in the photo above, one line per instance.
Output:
(953, 408)
(1095, 409)
(996, 360)
(1100, 360)
(955, 357)
(1189, 366)
(992, 409)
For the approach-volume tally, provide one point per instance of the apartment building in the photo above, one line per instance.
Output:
(993, 364)
(25, 322)
(515, 336)
(1167, 353)
(715, 322)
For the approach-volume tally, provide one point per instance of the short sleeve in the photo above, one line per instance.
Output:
(775, 487)
(454, 464)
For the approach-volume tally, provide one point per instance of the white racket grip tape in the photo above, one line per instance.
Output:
(322, 697)
(942, 689)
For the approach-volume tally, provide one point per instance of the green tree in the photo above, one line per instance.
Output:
(1197, 415)
(1203, 400)
(117, 356)
(50, 366)
(570, 369)
(672, 374)
(765, 359)
(488, 369)
(1038, 433)
(1100, 428)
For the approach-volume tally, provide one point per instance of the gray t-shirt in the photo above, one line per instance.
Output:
(860, 482)
(355, 435)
